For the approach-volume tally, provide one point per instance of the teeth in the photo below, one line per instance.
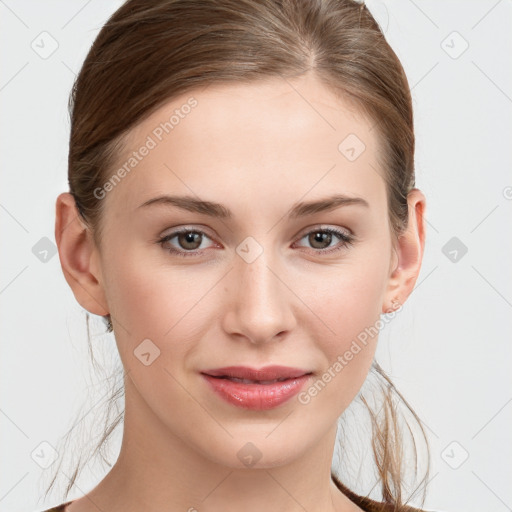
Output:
(248, 381)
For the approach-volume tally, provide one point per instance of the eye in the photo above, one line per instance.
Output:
(190, 240)
(321, 238)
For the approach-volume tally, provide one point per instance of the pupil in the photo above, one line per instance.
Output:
(320, 237)
(190, 239)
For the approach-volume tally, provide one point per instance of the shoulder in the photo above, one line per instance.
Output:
(376, 506)
(368, 505)
(59, 508)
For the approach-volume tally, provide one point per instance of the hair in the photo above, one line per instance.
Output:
(149, 52)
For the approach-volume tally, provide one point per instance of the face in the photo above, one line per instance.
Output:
(269, 284)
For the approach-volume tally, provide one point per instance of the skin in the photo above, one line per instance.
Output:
(258, 149)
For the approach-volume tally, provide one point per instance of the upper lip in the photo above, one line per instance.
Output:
(266, 373)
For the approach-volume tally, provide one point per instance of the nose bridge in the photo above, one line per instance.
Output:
(262, 307)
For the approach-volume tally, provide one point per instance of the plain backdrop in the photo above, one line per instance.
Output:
(449, 351)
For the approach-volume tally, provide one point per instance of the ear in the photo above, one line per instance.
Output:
(79, 256)
(408, 254)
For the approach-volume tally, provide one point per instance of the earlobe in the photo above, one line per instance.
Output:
(77, 254)
(408, 255)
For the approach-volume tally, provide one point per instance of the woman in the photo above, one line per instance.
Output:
(242, 210)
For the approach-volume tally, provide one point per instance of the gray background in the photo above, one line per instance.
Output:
(449, 350)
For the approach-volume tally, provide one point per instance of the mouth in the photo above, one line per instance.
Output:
(256, 382)
(250, 381)
(256, 389)
(266, 375)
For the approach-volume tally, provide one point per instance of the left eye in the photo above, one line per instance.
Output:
(190, 240)
(321, 236)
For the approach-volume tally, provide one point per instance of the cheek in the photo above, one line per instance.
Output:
(155, 309)
(348, 308)
(153, 301)
(148, 297)
(349, 299)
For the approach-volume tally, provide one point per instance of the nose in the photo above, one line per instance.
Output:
(261, 307)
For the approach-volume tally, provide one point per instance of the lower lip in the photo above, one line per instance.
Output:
(256, 396)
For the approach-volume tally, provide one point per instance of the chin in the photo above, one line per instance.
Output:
(257, 450)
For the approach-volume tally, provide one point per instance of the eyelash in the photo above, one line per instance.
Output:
(346, 241)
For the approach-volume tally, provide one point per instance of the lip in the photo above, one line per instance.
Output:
(256, 396)
(266, 373)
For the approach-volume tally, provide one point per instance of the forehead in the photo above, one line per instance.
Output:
(271, 139)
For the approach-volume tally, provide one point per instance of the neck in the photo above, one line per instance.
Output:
(157, 472)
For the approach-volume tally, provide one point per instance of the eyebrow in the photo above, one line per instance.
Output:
(214, 209)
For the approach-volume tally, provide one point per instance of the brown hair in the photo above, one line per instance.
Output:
(149, 52)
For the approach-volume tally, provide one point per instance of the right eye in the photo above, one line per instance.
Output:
(188, 240)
